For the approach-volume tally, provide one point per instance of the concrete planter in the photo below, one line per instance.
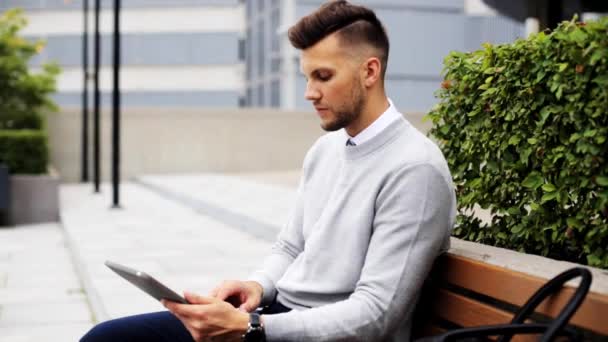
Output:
(34, 199)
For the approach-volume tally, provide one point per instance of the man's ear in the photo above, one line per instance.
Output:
(372, 70)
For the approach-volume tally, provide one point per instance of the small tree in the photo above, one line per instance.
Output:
(24, 96)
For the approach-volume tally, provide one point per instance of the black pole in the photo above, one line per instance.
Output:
(85, 94)
(116, 110)
(96, 101)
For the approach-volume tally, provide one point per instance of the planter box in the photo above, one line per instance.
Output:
(34, 199)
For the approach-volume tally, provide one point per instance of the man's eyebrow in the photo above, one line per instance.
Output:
(321, 69)
(316, 71)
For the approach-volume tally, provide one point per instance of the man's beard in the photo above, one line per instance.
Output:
(345, 114)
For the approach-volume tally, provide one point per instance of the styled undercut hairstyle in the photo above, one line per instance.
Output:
(354, 24)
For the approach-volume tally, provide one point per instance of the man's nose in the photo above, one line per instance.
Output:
(311, 93)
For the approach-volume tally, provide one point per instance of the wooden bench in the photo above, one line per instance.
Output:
(462, 292)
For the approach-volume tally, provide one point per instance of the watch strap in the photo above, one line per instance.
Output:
(255, 331)
(254, 320)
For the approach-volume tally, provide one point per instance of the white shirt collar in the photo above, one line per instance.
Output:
(390, 114)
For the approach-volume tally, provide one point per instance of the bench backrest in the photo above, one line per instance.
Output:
(461, 292)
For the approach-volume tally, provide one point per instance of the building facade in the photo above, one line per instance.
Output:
(231, 53)
(174, 52)
(421, 32)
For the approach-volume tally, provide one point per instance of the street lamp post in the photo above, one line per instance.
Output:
(116, 110)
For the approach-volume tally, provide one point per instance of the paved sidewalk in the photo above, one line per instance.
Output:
(41, 298)
(169, 227)
(255, 203)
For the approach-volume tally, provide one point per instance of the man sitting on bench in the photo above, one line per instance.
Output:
(375, 207)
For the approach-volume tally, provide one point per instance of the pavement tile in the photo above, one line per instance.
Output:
(40, 295)
(45, 312)
(44, 332)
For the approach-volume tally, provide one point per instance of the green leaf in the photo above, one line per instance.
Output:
(533, 181)
(559, 92)
(562, 66)
(514, 140)
(549, 196)
(602, 80)
(590, 133)
(593, 260)
(574, 137)
(579, 36)
(548, 187)
(517, 229)
(601, 180)
(573, 222)
(597, 56)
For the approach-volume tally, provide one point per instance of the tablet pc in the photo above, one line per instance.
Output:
(146, 283)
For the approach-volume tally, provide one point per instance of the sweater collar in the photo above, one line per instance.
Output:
(386, 135)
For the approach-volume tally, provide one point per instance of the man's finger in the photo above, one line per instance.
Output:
(194, 298)
(224, 293)
(176, 308)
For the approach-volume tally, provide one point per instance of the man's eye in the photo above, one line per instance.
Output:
(324, 77)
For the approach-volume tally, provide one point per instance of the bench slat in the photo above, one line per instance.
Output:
(468, 312)
(516, 287)
(465, 311)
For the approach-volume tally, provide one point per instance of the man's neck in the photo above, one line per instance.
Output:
(375, 106)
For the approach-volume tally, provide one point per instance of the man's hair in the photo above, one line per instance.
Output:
(354, 24)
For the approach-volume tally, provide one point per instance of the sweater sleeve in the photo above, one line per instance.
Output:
(288, 245)
(414, 210)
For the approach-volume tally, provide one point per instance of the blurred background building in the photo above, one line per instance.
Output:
(174, 52)
(421, 32)
(234, 53)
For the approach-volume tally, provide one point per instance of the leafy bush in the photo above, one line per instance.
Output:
(524, 129)
(23, 95)
(24, 151)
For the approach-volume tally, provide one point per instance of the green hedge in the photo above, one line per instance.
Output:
(24, 151)
(524, 128)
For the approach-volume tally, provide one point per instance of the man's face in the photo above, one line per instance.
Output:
(334, 84)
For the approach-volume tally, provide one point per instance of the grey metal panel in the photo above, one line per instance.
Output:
(420, 40)
(181, 99)
(148, 49)
(494, 30)
(77, 4)
(301, 102)
(412, 95)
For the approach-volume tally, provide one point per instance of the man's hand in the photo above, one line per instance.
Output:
(246, 295)
(208, 318)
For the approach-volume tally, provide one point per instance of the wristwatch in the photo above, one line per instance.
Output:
(255, 331)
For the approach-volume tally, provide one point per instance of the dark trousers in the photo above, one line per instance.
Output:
(152, 327)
